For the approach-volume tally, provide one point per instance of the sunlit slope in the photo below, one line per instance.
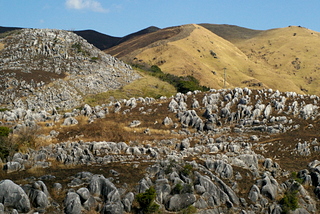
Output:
(266, 59)
(292, 52)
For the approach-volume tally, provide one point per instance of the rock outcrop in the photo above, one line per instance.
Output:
(54, 69)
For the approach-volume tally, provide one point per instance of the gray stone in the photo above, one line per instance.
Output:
(180, 201)
(112, 208)
(83, 193)
(72, 203)
(13, 196)
(13, 167)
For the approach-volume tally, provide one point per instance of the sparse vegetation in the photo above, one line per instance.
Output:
(22, 140)
(294, 176)
(189, 210)
(78, 48)
(3, 109)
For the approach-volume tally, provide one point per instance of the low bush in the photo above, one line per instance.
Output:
(289, 201)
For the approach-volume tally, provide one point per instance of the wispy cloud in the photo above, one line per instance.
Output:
(86, 4)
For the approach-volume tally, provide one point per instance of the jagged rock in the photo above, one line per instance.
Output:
(167, 121)
(269, 187)
(111, 208)
(83, 193)
(72, 203)
(1, 208)
(13, 196)
(135, 123)
(223, 169)
(13, 167)
(163, 189)
(180, 201)
(57, 187)
(70, 121)
(254, 194)
(127, 201)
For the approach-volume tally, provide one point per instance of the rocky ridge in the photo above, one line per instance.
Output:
(228, 154)
(55, 69)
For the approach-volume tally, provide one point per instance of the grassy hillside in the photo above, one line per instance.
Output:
(147, 86)
(283, 59)
(291, 52)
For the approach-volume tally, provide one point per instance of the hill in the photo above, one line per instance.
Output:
(99, 40)
(290, 52)
(49, 69)
(248, 55)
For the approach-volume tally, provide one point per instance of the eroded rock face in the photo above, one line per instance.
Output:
(33, 58)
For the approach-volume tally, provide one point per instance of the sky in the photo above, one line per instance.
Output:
(122, 17)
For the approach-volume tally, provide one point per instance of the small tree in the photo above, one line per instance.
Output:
(4, 142)
(146, 201)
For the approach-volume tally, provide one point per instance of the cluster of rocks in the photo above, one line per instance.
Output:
(222, 130)
(33, 58)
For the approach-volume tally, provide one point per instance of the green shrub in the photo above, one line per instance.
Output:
(289, 201)
(187, 169)
(4, 131)
(146, 201)
(177, 189)
(294, 176)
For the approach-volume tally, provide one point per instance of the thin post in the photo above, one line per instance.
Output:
(224, 79)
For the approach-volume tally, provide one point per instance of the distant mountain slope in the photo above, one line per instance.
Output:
(48, 69)
(6, 29)
(101, 41)
(292, 52)
(231, 33)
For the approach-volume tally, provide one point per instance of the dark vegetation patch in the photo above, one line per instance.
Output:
(183, 84)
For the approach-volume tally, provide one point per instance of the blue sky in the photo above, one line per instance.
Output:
(122, 17)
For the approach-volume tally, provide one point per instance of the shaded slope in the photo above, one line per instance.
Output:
(147, 30)
(101, 41)
(6, 29)
(231, 33)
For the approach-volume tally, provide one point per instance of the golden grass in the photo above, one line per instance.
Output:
(264, 57)
(1, 46)
(147, 86)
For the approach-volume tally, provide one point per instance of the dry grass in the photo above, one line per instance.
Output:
(1, 46)
(115, 126)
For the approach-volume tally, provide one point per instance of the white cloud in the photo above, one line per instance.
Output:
(86, 4)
